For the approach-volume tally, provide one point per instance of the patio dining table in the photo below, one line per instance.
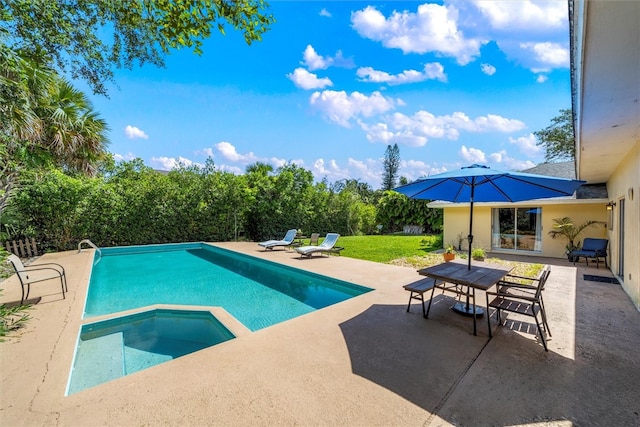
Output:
(479, 276)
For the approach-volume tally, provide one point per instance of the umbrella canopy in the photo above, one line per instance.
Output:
(478, 183)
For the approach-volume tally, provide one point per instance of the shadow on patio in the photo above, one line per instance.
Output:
(588, 377)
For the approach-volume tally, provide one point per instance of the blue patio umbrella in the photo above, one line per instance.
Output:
(479, 183)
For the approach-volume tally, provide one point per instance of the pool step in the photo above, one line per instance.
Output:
(99, 360)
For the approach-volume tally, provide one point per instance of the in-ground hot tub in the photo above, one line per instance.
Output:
(119, 346)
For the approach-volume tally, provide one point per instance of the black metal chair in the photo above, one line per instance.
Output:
(522, 298)
(592, 248)
(37, 273)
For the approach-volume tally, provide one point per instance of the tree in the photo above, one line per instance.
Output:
(362, 189)
(73, 134)
(558, 138)
(391, 164)
(90, 38)
(44, 121)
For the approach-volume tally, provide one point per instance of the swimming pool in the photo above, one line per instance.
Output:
(258, 293)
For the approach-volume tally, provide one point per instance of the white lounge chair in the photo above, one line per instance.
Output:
(286, 241)
(327, 246)
(37, 273)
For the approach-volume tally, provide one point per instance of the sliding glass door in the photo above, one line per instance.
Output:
(519, 228)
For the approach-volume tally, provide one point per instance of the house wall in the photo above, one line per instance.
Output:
(625, 184)
(456, 220)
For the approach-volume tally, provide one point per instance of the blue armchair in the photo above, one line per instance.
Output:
(592, 248)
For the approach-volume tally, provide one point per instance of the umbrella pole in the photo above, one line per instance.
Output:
(470, 236)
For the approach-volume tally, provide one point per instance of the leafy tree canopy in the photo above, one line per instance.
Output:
(558, 138)
(90, 38)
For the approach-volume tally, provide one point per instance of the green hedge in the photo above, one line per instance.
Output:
(132, 204)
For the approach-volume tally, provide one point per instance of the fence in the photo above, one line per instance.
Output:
(22, 249)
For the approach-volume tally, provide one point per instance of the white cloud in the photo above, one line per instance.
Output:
(331, 170)
(472, 155)
(340, 107)
(124, 157)
(527, 145)
(207, 152)
(277, 162)
(228, 151)
(506, 162)
(369, 170)
(525, 14)
(231, 169)
(415, 130)
(548, 54)
(433, 28)
(541, 78)
(530, 32)
(324, 12)
(379, 132)
(313, 61)
(488, 69)
(133, 132)
(169, 163)
(306, 80)
(431, 71)
(414, 169)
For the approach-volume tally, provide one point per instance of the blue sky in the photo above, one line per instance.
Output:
(333, 83)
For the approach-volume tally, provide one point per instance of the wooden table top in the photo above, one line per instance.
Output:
(480, 276)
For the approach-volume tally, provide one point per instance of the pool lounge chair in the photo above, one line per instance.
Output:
(286, 241)
(328, 246)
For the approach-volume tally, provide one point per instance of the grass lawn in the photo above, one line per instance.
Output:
(413, 251)
(386, 248)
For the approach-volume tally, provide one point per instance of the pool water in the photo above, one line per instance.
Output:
(256, 292)
(123, 345)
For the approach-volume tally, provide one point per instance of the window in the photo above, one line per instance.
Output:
(519, 229)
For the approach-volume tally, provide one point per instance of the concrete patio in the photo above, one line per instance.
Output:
(362, 362)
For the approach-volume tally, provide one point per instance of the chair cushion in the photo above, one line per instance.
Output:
(590, 254)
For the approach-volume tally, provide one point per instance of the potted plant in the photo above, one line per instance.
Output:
(565, 229)
(449, 253)
(478, 254)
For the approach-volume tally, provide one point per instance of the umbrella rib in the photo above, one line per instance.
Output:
(499, 190)
(429, 188)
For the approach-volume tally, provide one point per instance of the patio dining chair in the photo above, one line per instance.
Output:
(525, 299)
(526, 285)
(37, 273)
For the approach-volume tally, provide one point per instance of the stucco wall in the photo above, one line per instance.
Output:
(625, 178)
(456, 220)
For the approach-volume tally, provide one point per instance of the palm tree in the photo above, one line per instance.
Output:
(564, 228)
(43, 120)
(23, 86)
(73, 134)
